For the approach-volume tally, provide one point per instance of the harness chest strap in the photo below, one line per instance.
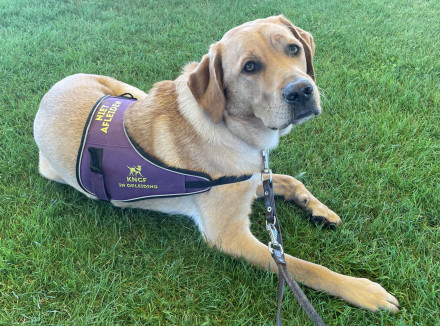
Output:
(111, 166)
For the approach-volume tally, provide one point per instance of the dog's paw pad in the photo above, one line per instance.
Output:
(320, 220)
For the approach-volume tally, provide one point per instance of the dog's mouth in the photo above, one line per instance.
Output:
(282, 127)
(302, 118)
(305, 114)
(299, 117)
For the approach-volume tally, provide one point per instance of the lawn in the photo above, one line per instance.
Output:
(372, 156)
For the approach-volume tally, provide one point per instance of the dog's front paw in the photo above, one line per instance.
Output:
(321, 214)
(363, 293)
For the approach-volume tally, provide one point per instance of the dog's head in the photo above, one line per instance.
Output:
(260, 75)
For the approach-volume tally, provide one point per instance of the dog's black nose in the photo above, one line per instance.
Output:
(298, 92)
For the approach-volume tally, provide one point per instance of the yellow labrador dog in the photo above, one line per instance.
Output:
(215, 118)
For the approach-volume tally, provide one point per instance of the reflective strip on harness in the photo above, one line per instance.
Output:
(111, 167)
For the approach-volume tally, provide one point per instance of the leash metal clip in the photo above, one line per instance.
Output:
(274, 244)
(266, 170)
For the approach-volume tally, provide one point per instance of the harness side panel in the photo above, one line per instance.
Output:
(127, 173)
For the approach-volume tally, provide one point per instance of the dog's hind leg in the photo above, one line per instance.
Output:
(47, 171)
(293, 190)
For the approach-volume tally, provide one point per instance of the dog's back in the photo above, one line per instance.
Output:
(60, 121)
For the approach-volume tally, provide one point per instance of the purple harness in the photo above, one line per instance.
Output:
(111, 166)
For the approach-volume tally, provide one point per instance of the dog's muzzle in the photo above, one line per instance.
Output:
(299, 94)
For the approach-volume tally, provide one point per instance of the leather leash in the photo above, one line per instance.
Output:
(276, 249)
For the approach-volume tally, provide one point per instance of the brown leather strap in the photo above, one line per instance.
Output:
(277, 252)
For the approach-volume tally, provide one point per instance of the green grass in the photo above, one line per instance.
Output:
(373, 157)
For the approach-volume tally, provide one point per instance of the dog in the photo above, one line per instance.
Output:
(250, 89)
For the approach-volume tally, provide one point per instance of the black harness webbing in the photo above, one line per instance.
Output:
(217, 182)
(277, 252)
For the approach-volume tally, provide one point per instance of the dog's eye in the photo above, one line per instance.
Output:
(293, 49)
(251, 66)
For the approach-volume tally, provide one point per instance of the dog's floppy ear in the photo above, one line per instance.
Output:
(206, 84)
(306, 40)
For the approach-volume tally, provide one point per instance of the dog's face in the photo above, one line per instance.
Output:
(261, 74)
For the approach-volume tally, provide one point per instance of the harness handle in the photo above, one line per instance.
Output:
(128, 95)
